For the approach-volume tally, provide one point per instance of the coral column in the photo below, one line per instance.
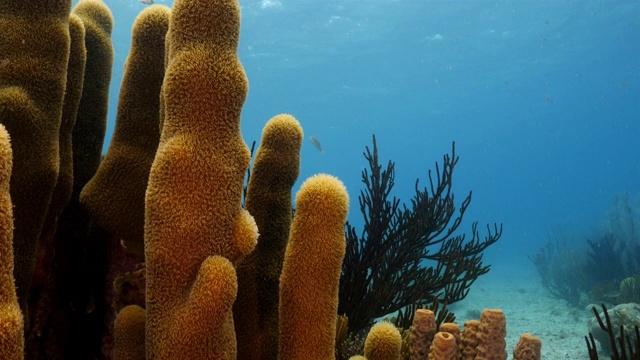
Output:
(11, 324)
(311, 271)
(34, 51)
(195, 227)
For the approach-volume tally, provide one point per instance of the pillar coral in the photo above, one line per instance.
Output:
(91, 119)
(115, 195)
(275, 170)
(33, 67)
(73, 93)
(128, 333)
(311, 271)
(195, 227)
(11, 322)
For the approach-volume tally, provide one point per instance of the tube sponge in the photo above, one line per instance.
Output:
(469, 338)
(33, 66)
(491, 335)
(383, 342)
(274, 172)
(11, 322)
(423, 329)
(528, 348)
(311, 271)
(195, 227)
(444, 347)
(115, 195)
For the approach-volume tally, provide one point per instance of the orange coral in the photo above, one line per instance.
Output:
(129, 332)
(311, 271)
(11, 322)
(423, 330)
(194, 221)
(491, 335)
(383, 342)
(35, 51)
(469, 340)
(115, 195)
(528, 348)
(444, 347)
(274, 172)
(91, 119)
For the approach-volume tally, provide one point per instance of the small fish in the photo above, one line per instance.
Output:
(316, 143)
(612, 294)
(146, 2)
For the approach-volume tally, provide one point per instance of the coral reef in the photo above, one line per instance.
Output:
(528, 348)
(384, 269)
(383, 342)
(623, 320)
(275, 170)
(115, 194)
(195, 227)
(11, 321)
(171, 187)
(35, 52)
(311, 271)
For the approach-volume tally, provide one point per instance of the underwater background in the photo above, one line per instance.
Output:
(541, 98)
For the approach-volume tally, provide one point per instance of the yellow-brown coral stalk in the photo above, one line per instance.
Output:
(11, 322)
(311, 271)
(33, 68)
(195, 227)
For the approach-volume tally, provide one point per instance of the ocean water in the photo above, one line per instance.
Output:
(542, 99)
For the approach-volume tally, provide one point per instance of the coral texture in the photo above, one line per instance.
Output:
(311, 271)
(274, 172)
(491, 335)
(11, 322)
(195, 227)
(91, 119)
(422, 330)
(444, 347)
(33, 70)
(469, 340)
(383, 342)
(115, 195)
(73, 94)
(129, 333)
(528, 348)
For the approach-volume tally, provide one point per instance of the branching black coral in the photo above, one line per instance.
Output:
(408, 254)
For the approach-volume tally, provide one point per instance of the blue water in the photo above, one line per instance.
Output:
(541, 97)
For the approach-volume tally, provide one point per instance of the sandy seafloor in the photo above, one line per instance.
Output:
(529, 308)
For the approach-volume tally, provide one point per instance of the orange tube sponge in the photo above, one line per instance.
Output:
(128, 333)
(33, 68)
(468, 349)
(193, 216)
(383, 342)
(115, 195)
(91, 119)
(528, 348)
(453, 329)
(274, 172)
(422, 330)
(444, 347)
(11, 322)
(491, 335)
(311, 271)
